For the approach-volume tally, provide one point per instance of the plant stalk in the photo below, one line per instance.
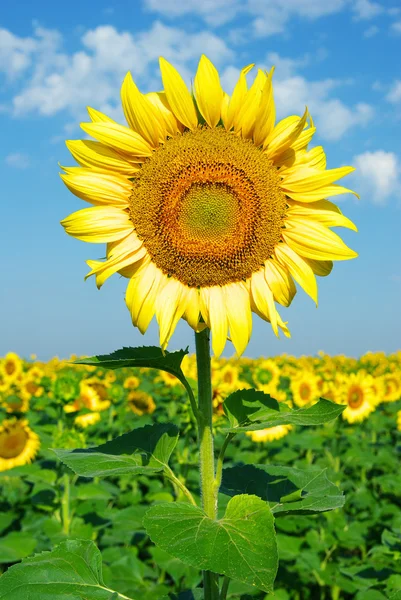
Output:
(206, 447)
(65, 504)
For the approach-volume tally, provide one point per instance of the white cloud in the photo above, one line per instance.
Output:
(394, 95)
(396, 27)
(366, 9)
(60, 81)
(268, 17)
(378, 175)
(371, 31)
(15, 53)
(17, 160)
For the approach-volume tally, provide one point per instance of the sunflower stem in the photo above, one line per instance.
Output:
(65, 504)
(206, 450)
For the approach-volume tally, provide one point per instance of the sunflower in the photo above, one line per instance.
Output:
(226, 377)
(359, 397)
(267, 376)
(131, 382)
(207, 206)
(304, 388)
(18, 444)
(392, 387)
(11, 366)
(87, 419)
(270, 434)
(141, 403)
(89, 397)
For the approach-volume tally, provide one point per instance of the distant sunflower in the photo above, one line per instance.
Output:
(87, 419)
(18, 444)
(270, 434)
(392, 387)
(140, 403)
(11, 367)
(304, 388)
(131, 382)
(267, 375)
(209, 207)
(359, 397)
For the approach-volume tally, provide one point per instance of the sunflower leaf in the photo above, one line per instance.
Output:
(241, 545)
(143, 450)
(72, 570)
(262, 417)
(286, 489)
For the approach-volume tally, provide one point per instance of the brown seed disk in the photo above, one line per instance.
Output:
(208, 207)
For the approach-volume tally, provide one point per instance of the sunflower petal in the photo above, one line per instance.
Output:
(323, 211)
(305, 179)
(119, 137)
(98, 188)
(104, 269)
(249, 110)
(159, 100)
(92, 154)
(280, 282)
(98, 224)
(236, 100)
(192, 312)
(263, 298)
(142, 293)
(319, 193)
(208, 91)
(171, 303)
(178, 96)
(98, 117)
(322, 268)
(266, 115)
(300, 271)
(239, 316)
(313, 240)
(214, 299)
(141, 114)
(284, 135)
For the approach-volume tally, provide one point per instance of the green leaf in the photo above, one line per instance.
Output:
(251, 410)
(241, 545)
(72, 570)
(141, 451)
(16, 545)
(145, 356)
(287, 489)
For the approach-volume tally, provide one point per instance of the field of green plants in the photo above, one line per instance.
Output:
(350, 465)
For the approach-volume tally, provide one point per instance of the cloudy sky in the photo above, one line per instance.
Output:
(338, 57)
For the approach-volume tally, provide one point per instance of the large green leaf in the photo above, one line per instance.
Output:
(241, 545)
(143, 450)
(145, 356)
(251, 410)
(72, 570)
(287, 489)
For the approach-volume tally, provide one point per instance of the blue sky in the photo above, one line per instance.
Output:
(338, 57)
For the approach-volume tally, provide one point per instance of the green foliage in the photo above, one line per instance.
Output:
(241, 545)
(72, 570)
(287, 490)
(250, 410)
(143, 450)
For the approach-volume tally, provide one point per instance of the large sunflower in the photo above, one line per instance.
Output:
(208, 207)
(18, 444)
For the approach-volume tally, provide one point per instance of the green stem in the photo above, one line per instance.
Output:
(206, 451)
(65, 504)
(220, 460)
(176, 482)
(224, 588)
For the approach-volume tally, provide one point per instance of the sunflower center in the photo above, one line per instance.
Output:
(355, 397)
(12, 443)
(208, 207)
(304, 391)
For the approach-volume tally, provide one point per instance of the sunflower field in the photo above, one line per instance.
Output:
(350, 465)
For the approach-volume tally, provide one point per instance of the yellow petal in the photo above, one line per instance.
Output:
(98, 224)
(238, 310)
(266, 115)
(249, 110)
(119, 137)
(208, 91)
(104, 269)
(213, 299)
(178, 96)
(322, 268)
(141, 114)
(224, 107)
(237, 99)
(142, 293)
(130, 243)
(315, 158)
(280, 282)
(313, 240)
(263, 298)
(98, 117)
(319, 193)
(92, 154)
(323, 211)
(304, 179)
(300, 271)
(192, 312)
(98, 188)
(171, 304)
(159, 100)
(284, 135)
